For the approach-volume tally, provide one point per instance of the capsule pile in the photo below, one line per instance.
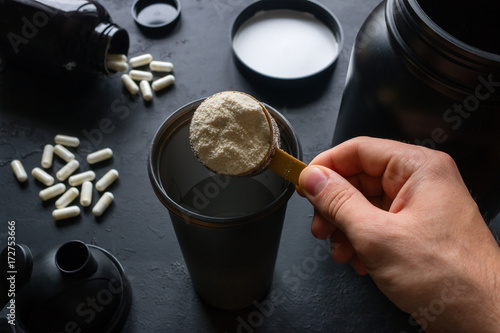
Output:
(145, 77)
(64, 205)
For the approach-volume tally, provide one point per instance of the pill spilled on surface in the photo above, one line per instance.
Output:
(103, 204)
(86, 195)
(67, 170)
(146, 91)
(66, 140)
(161, 66)
(140, 75)
(80, 178)
(52, 192)
(106, 180)
(131, 86)
(42, 176)
(19, 171)
(141, 60)
(47, 156)
(163, 82)
(67, 197)
(63, 153)
(129, 79)
(66, 213)
(99, 156)
(63, 210)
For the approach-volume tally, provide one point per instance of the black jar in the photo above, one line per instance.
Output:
(65, 36)
(428, 72)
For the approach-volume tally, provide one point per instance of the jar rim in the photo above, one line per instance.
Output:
(450, 37)
(433, 54)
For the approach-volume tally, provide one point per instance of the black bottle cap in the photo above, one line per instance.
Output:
(156, 16)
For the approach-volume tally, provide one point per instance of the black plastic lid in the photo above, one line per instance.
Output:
(156, 16)
(77, 287)
(299, 12)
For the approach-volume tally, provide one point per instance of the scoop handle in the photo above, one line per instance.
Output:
(286, 166)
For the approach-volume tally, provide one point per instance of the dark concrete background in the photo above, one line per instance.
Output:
(310, 292)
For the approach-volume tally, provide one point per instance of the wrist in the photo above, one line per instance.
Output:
(491, 293)
(470, 302)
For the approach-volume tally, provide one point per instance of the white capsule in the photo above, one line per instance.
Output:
(63, 153)
(66, 140)
(99, 156)
(19, 171)
(78, 179)
(67, 197)
(67, 170)
(131, 86)
(163, 82)
(47, 156)
(146, 91)
(103, 204)
(140, 75)
(117, 66)
(161, 66)
(106, 180)
(140, 60)
(51, 192)
(66, 213)
(116, 57)
(42, 176)
(86, 195)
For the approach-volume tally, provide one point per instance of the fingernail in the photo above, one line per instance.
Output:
(321, 237)
(314, 180)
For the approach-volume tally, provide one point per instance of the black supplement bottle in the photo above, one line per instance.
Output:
(427, 72)
(68, 36)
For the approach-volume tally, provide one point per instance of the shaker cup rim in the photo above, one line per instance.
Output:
(179, 118)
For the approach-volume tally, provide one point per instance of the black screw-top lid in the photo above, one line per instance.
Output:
(156, 16)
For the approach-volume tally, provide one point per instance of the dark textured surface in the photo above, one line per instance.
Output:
(310, 292)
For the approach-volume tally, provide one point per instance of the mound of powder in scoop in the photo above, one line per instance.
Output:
(230, 133)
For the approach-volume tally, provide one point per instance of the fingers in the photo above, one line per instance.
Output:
(361, 155)
(358, 266)
(355, 185)
(370, 186)
(321, 228)
(341, 211)
(336, 200)
(374, 165)
(341, 248)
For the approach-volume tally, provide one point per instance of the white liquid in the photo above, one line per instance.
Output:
(285, 44)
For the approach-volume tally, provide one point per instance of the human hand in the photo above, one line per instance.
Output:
(402, 214)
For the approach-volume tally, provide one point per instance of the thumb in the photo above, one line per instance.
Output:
(337, 200)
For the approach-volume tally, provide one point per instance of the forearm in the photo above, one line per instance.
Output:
(469, 303)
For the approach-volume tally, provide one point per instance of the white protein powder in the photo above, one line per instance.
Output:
(230, 133)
